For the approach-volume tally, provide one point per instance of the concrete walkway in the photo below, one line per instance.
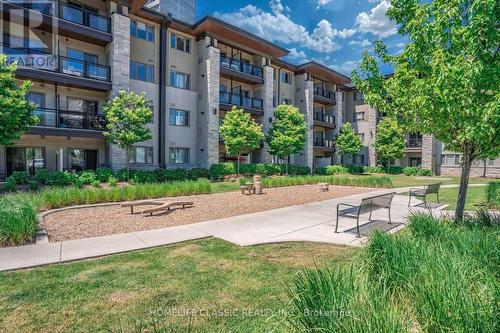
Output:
(313, 222)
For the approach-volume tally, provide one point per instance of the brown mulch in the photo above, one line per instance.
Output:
(106, 220)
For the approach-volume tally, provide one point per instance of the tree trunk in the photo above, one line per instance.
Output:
(484, 167)
(238, 171)
(286, 165)
(464, 182)
(127, 156)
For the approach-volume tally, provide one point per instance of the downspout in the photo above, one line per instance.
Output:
(163, 92)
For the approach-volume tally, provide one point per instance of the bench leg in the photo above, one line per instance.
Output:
(370, 216)
(131, 209)
(390, 222)
(337, 224)
(357, 226)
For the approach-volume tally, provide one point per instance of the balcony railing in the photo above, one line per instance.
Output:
(70, 13)
(323, 143)
(324, 93)
(239, 100)
(69, 119)
(414, 143)
(37, 59)
(324, 118)
(240, 66)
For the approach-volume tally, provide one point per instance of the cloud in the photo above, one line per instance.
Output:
(364, 43)
(376, 22)
(346, 67)
(276, 26)
(296, 55)
(322, 3)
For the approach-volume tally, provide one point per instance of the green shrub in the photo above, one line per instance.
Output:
(103, 174)
(33, 185)
(42, 176)
(10, 184)
(18, 219)
(112, 181)
(367, 181)
(218, 171)
(373, 169)
(20, 177)
(86, 177)
(96, 183)
(395, 170)
(355, 169)
(336, 169)
(59, 178)
(493, 194)
(122, 175)
(425, 172)
(410, 171)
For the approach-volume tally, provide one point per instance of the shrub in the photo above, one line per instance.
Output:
(197, 173)
(112, 181)
(86, 177)
(20, 177)
(355, 169)
(395, 170)
(410, 171)
(10, 184)
(59, 178)
(141, 177)
(425, 172)
(96, 183)
(103, 174)
(33, 185)
(336, 169)
(373, 169)
(42, 176)
(493, 194)
(368, 181)
(18, 219)
(121, 175)
(219, 171)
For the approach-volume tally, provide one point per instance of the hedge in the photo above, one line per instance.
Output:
(219, 171)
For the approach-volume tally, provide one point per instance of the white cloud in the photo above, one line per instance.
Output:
(377, 22)
(294, 54)
(364, 43)
(322, 3)
(346, 33)
(276, 26)
(345, 68)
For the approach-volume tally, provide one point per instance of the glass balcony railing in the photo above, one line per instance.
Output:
(70, 13)
(239, 100)
(324, 118)
(69, 119)
(240, 66)
(324, 93)
(34, 58)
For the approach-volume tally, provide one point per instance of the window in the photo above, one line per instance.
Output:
(179, 80)
(180, 43)
(142, 72)
(358, 96)
(359, 159)
(179, 118)
(450, 159)
(141, 155)
(359, 116)
(142, 30)
(76, 159)
(178, 156)
(286, 77)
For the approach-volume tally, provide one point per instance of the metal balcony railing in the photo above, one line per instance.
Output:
(324, 93)
(69, 119)
(414, 143)
(239, 100)
(324, 118)
(34, 58)
(240, 66)
(323, 143)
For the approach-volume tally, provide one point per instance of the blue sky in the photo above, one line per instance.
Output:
(332, 32)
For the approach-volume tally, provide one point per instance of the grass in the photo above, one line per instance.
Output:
(363, 181)
(122, 292)
(434, 277)
(475, 196)
(18, 219)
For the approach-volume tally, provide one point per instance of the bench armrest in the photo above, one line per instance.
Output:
(349, 205)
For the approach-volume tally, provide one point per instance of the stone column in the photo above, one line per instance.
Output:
(428, 152)
(119, 60)
(208, 102)
(267, 97)
(339, 120)
(371, 116)
(309, 114)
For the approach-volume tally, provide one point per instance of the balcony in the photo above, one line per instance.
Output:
(324, 120)
(324, 96)
(322, 144)
(413, 144)
(70, 21)
(68, 123)
(241, 71)
(253, 105)
(35, 64)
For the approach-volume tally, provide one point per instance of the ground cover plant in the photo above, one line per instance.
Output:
(437, 276)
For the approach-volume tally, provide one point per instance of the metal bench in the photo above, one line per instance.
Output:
(423, 192)
(367, 205)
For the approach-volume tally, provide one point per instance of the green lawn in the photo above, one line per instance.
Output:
(122, 292)
(475, 196)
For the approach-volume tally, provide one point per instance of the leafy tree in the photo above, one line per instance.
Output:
(16, 112)
(287, 135)
(241, 134)
(446, 80)
(348, 143)
(389, 141)
(127, 117)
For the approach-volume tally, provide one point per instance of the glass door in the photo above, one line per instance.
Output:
(39, 100)
(25, 159)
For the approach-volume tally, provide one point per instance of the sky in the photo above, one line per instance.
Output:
(331, 32)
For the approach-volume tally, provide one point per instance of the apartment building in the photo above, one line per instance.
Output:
(79, 54)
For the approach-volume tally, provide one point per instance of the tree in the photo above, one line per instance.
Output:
(348, 143)
(446, 80)
(241, 134)
(127, 117)
(389, 141)
(287, 135)
(16, 112)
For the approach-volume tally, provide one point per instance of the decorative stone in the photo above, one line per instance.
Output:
(323, 187)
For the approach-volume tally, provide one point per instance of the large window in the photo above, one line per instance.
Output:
(141, 155)
(27, 159)
(358, 96)
(178, 156)
(179, 118)
(179, 80)
(286, 77)
(180, 43)
(82, 159)
(359, 116)
(450, 159)
(142, 30)
(142, 72)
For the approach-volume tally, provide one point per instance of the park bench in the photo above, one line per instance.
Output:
(424, 192)
(367, 205)
(160, 205)
(133, 204)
